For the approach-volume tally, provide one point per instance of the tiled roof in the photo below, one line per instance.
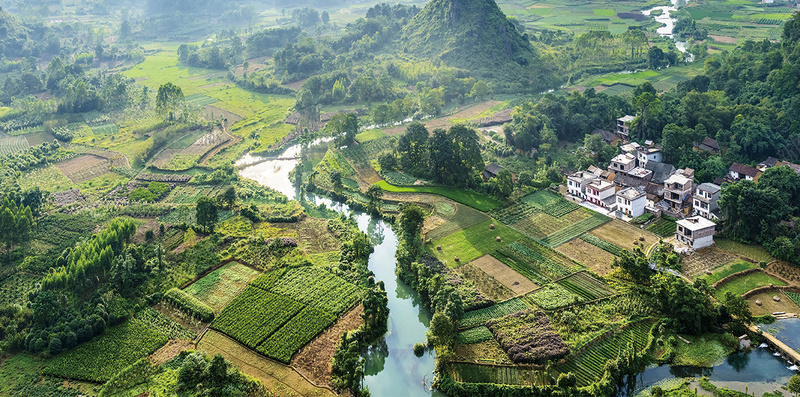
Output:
(744, 169)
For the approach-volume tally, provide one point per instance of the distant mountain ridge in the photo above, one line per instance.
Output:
(475, 35)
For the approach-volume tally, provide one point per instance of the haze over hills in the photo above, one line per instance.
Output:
(477, 36)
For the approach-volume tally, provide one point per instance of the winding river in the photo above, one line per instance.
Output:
(392, 369)
(669, 23)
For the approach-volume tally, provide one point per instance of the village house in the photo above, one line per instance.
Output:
(768, 163)
(709, 145)
(705, 200)
(601, 193)
(631, 201)
(696, 232)
(648, 153)
(491, 171)
(678, 189)
(576, 183)
(741, 171)
(622, 163)
(623, 126)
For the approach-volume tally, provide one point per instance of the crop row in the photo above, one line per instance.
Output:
(474, 335)
(478, 317)
(602, 244)
(317, 287)
(364, 153)
(550, 203)
(589, 365)
(514, 213)
(12, 145)
(189, 304)
(585, 286)
(300, 330)
(165, 325)
(576, 229)
(553, 296)
(663, 227)
(795, 297)
(520, 266)
(254, 315)
(539, 259)
(527, 337)
(398, 179)
(266, 280)
(475, 373)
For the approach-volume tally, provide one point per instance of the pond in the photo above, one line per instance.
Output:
(391, 369)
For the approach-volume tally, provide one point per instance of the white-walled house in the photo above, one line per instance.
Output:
(741, 171)
(696, 232)
(631, 202)
(624, 126)
(601, 193)
(624, 163)
(705, 200)
(576, 183)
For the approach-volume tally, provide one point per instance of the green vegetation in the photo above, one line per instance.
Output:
(534, 261)
(602, 244)
(575, 230)
(474, 335)
(663, 227)
(586, 286)
(474, 242)
(189, 304)
(479, 317)
(164, 325)
(705, 350)
(553, 296)
(295, 334)
(105, 356)
(475, 200)
(727, 270)
(550, 203)
(316, 287)
(254, 315)
(753, 252)
(746, 283)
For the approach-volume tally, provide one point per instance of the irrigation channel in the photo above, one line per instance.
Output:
(392, 369)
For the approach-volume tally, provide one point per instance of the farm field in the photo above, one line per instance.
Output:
(540, 225)
(316, 287)
(280, 379)
(485, 283)
(220, 286)
(588, 366)
(476, 200)
(505, 275)
(84, 168)
(754, 252)
(576, 229)
(11, 145)
(476, 373)
(625, 235)
(703, 260)
(94, 361)
(534, 261)
(726, 270)
(488, 351)
(594, 258)
(769, 306)
(478, 317)
(474, 242)
(663, 227)
(550, 203)
(746, 283)
(463, 218)
(254, 315)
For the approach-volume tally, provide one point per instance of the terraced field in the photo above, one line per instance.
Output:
(575, 230)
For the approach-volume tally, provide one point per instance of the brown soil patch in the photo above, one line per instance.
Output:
(703, 260)
(486, 350)
(625, 235)
(600, 88)
(769, 306)
(596, 259)
(150, 224)
(84, 168)
(784, 271)
(724, 39)
(314, 360)
(505, 275)
(312, 234)
(485, 283)
(296, 85)
(279, 379)
(164, 157)
(170, 350)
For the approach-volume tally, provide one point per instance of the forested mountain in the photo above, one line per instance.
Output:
(477, 36)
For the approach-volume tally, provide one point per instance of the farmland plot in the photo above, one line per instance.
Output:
(464, 217)
(624, 235)
(220, 286)
(300, 330)
(550, 203)
(586, 286)
(541, 224)
(575, 230)
(596, 259)
(478, 317)
(507, 276)
(85, 167)
(11, 145)
(472, 243)
(254, 315)
(317, 287)
(476, 373)
(534, 261)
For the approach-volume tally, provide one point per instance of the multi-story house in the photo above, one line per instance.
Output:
(648, 153)
(677, 190)
(623, 163)
(631, 201)
(741, 171)
(705, 200)
(623, 127)
(600, 193)
(696, 232)
(576, 183)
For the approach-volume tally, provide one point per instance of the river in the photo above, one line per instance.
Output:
(669, 23)
(392, 369)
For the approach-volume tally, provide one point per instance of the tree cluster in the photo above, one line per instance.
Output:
(16, 224)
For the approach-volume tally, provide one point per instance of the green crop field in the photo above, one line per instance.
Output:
(727, 270)
(200, 100)
(535, 261)
(254, 315)
(746, 283)
(586, 286)
(104, 129)
(754, 252)
(474, 242)
(663, 227)
(602, 244)
(478, 317)
(164, 325)
(476, 373)
(575, 230)
(220, 286)
(553, 296)
(589, 365)
(316, 287)
(370, 135)
(300, 330)
(106, 355)
(473, 199)
(550, 203)
(12, 145)
(514, 213)
(474, 335)
(465, 217)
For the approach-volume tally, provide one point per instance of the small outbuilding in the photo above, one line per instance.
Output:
(491, 171)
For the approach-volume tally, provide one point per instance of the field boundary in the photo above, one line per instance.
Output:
(766, 288)
(736, 275)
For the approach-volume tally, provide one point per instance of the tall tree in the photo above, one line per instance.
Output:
(168, 100)
(346, 125)
(206, 213)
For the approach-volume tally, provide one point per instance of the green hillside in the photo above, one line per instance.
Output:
(476, 35)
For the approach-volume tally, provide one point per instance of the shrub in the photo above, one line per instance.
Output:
(189, 304)
(419, 349)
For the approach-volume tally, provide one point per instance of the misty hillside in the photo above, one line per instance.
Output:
(474, 35)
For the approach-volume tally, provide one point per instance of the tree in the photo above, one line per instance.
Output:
(794, 384)
(480, 90)
(635, 264)
(168, 100)
(737, 307)
(228, 198)
(325, 17)
(442, 331)
(206, 213)
(345, 124)
(376, 311)
(647, 106)
(412, 148)
(504, 183)
(785, 181)
(411, 219)
(374, 194)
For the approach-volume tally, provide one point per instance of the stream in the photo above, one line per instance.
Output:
(392, 369)
(669, 23)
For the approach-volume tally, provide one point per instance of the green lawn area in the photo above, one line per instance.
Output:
(704, 350)
(754, 252)
(728, 269)
(370, 135)
(474, 242)
(746, 283)
(470, 198)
